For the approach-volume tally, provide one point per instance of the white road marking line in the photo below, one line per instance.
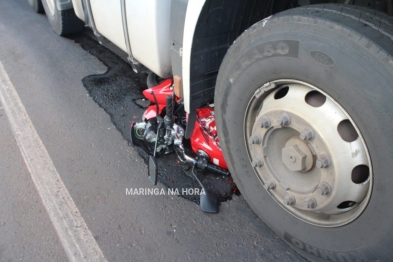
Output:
(76, 238)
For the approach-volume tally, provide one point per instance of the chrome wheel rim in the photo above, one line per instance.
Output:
(308, 153)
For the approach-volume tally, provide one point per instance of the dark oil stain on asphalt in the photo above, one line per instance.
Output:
(119, 93)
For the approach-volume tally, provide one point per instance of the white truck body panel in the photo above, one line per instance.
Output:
(148, 25)
(194, 9)
(108, 21)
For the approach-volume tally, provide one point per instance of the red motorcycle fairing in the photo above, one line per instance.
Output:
(205, 138)
(151, 112)
(160, 92)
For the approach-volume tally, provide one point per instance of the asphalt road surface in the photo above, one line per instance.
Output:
(65, 169)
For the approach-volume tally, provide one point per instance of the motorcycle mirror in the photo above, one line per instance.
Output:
(208, 202)
(152, 170)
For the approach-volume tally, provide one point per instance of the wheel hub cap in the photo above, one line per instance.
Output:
(297, 156)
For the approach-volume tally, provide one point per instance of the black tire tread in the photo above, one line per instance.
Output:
(70, 23)
(40, 8)
(369, 23)
(377, 20)
(372, 29)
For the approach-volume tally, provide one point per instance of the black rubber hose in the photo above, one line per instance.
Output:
(217, 170)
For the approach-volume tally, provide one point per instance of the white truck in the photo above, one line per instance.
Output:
(302, 93)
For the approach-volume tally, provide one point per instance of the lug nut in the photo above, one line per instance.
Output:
(323, 162)
(255, 139)
(284, 120)
(265, 122)
(307, 134)
(324, 189)
(310, 203)
(270, 184)
(257, 162)
(289, 200)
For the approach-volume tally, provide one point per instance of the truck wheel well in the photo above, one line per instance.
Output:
(219, 25)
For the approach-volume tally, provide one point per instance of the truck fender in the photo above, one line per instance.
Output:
(194, 8)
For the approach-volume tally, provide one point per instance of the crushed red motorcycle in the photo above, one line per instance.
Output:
(162, 131)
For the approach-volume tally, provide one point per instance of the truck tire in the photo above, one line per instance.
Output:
(64, 22)
(305, 102)
(36, 5)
